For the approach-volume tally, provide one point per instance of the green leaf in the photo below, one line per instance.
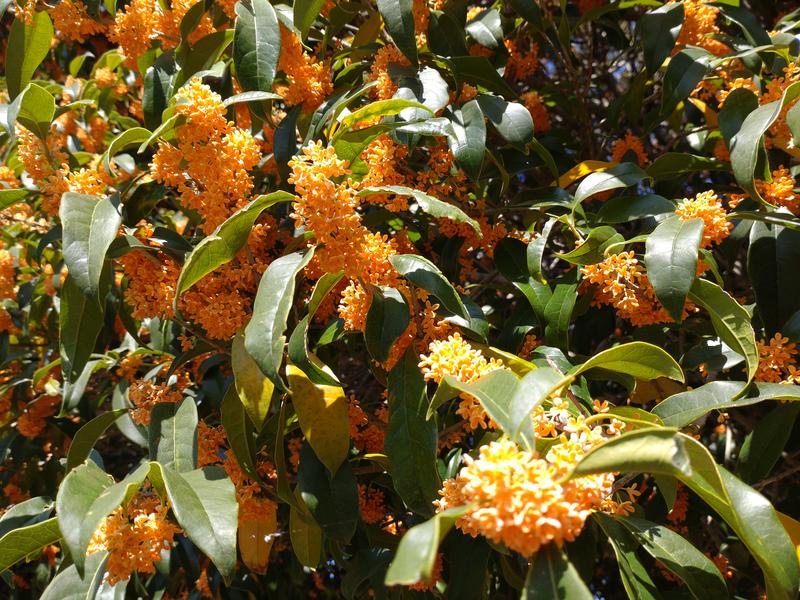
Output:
(222, 245)
(204, 504)
(28, 512)
(173, 434)
(671, 259)
(11, 197)
(250, 97)
(399, 21)
(77, 493)
(620, 176)
(305, 534)
(674, 164)
(79, 324)
(304, 14)
(298, 341)
(28, 45)
(428, 204)
(486, 29)
(253, 389)
(512, 120)
(24, 542)
(34, 109)
(558, 314)
(637, 359)
(126, 139)
(748, 142)
(478, 70)
(507, 399)
(411, 439)
(423, 273)
(685, 70)
(87, 437)
(677, 554)
(387, 319)
(635, 577)
(681, 409)
(468, 142)
(730, 319)
(90, 224)
(322, 411)
(69, 584)
(239, 431)
(158, 86)
(592, 249)
(764, 445)
(416, 554)
(263, 336)
(256, 45)
(535, 252)
(622, 209)
(332, 500)
(373, 110)
(658, 30)
(552, 577)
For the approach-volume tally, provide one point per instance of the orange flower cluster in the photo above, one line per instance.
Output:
(630, 143)
(455, 357)
(31, 423)
(777, 362)
(385, 158)
(585, 6)
(8, 288)
(371, 504)
(519, 498)
(309, 80)
(46, 165)
(385, 88)
(213, 449)
(143, 21)
(134, 536)
(523, 58)
(708, 207)
(622, 283)
(144, 394)
(780, 191)
(535, 105)
(222, 301)
(699, 25)
(210, 165)
(368, 436)
(72, 21)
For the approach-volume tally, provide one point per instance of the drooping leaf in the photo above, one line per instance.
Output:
(658, 30)
(511, 119)
(87, 436)
(763, 446)
(387, 319)
(468, 143)
(305, 534)
(24, 542)
(264, 336)
(305, 13)
(423, 273)
(239, 431)
(252, 387)
(322, 411)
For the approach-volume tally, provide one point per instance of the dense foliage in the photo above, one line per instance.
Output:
(400, 299)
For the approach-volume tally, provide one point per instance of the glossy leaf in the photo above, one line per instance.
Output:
(239, 431)
(511, 119)
(28, 45)
(468, 143)
(252, 387)
(638, 359)
(621, 176)
(256, 45)
(80, 322)
(671, 259)
(173, 434)
(423, 273)
(552, 576)
(264, 336)
(87, 436)
(399, 21)
(658, 30)
(387, 319)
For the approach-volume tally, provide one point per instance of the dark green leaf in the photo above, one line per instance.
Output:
(592, 249)
(671, 259)
(558, 314)
(620, 176)
(411, 439)
(686, 69)
(399, 21)
(486, 29)
(674, 164)
(387, 319)
(478, 70)
(27, 47)
(552, 577)
(87, 436)
(764, 445)
(79, 324)
(511, 119)
(256, 45)
(423, 273)
(239, 431)
(658, 30)
(625, 208)
(305, 13)
(468, 143)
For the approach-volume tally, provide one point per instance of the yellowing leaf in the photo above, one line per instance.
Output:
(792, 527)
(305, 534)
(253, 388)
(583, 169)
(255, 538)
(708, 113)
(322, 411)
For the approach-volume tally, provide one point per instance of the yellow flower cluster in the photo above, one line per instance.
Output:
(455, 357)
(134, 536)
(777, 362)
(210, 165)
(521, 499)
(309, 80)
(622, 283)
(708, 207)
(72, 21)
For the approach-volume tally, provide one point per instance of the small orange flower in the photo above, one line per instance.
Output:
(630, 143)
(706, 206)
